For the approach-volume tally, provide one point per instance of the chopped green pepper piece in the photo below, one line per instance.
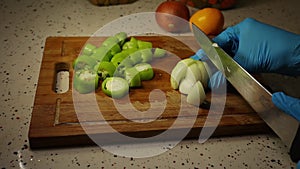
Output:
(136, 57)
(133, 77)
(130, 44)
(130, 51)
(112, 43)
(118, 58)
(125, 63)
(106, 69)
(115, 87)
(146, 55)
(144, 44)
(159, 53)
(85, 81)
(145, 71)
(84, 61)
(121, 36)
(101, 54)
(88, 49)
(115, 49)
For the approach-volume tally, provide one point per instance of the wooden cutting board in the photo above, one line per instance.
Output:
(55, 122)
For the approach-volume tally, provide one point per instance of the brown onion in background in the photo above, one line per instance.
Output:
(173, 16)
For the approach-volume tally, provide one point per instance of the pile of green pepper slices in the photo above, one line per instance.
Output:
(119, 63)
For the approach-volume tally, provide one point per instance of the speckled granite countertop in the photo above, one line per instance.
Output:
(24, 28)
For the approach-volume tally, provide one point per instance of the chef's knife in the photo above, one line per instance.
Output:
(260, 99)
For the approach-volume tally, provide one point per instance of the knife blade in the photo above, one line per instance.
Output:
(259, 98)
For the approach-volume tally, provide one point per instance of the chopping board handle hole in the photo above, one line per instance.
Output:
(61, 78)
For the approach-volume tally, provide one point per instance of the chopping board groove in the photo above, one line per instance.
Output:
(55, 122)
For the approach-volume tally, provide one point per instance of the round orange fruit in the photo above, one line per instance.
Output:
(209, 20)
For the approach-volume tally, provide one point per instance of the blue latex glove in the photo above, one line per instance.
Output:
(287, 104)
(200, 55)
(298, 165)
(261, 48)
(217, 79)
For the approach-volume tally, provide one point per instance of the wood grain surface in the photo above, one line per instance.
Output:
(57, 122)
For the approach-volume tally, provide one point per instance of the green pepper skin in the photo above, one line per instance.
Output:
(144, 44)
(101, 54)
(126, 63)
(130, 51)
(88, 49)
(133, 77)
(84, 61)
(115, 87)
(106, 69)
(146, 55)
(145, 71)
(85, 81)
(159, 53)
(112, 43)
(118, 58)
(130, 44)
(115, 49)
(121, 36)
(136, 57)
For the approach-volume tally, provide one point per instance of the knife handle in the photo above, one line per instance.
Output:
(295, 148)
